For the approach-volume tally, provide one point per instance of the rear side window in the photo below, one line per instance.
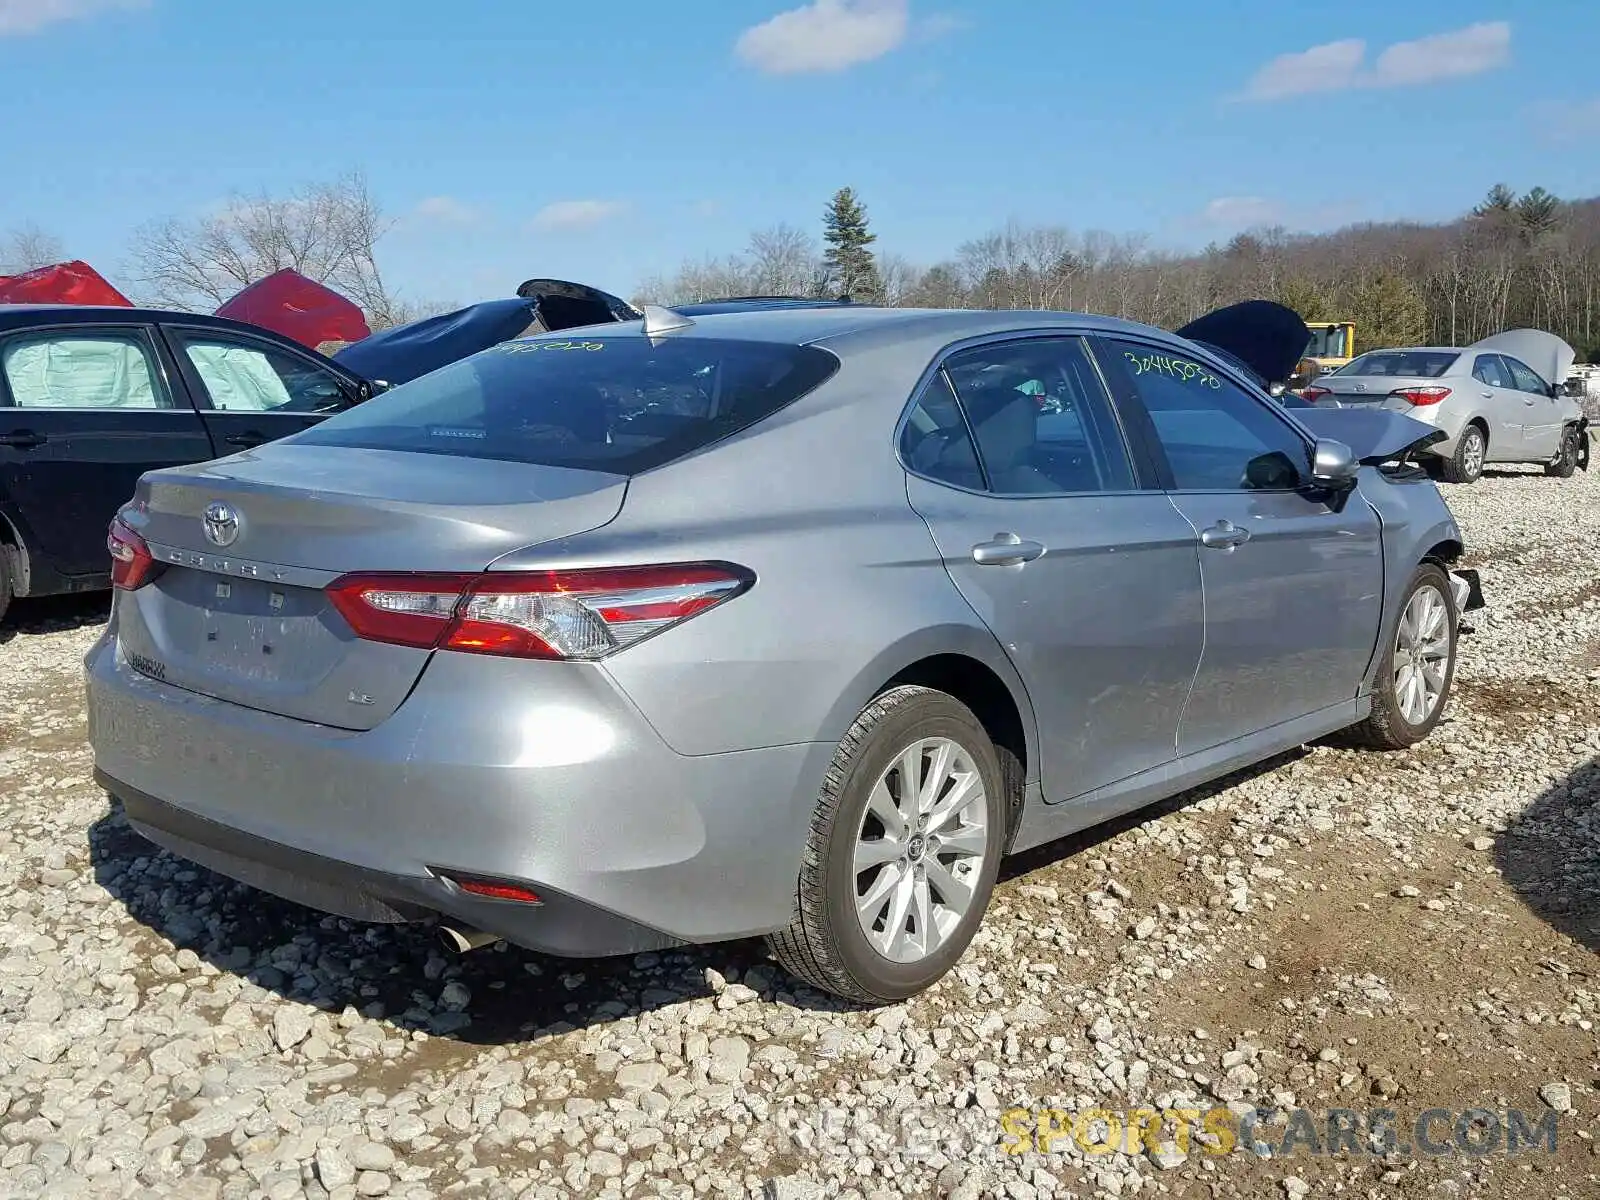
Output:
(621, 405)
(1424, 364)
(102, 369)
(1487, 368)
(935, 441)
(1043, 421)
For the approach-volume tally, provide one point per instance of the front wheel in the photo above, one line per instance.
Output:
(1417, 668)
(903, 852)
(1565, 462)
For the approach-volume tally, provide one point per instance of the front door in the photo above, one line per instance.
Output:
(1540, 412)
(1293, 583)
(84, 411)
(1091, 584)
(252, 390)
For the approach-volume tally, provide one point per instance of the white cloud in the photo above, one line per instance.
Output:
(1338, 66)
(1326, 68)
(446, 210)
(825, 35)
(1470, 51)
(1238, 212)
(18, 17)
(577, 214)
(1234, 214)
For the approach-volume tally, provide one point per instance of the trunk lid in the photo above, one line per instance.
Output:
(245, 619)
(1371, 391)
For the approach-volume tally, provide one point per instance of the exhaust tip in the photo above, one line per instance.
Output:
(461, 941)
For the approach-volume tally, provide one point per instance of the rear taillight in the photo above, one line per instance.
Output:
(132, 565)
(1421, 395)
(1314, 393)
(580, 614)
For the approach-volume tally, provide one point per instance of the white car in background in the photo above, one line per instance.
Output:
(1494, 400)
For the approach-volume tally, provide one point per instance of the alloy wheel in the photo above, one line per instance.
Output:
(1422, 654)
(920, 849)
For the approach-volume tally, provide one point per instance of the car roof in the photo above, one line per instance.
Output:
(859, 322)
(1415, 350)
(16, 316)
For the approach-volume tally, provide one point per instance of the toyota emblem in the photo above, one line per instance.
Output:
(222, 524)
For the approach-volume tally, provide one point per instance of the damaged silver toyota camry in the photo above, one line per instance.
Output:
(788, 623)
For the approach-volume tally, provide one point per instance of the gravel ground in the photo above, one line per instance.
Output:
(1337, 929)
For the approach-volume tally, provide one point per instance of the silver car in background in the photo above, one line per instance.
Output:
(1491, 404)
(784, 623)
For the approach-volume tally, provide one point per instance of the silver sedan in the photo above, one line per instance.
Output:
(1490, 404)
(784, 623)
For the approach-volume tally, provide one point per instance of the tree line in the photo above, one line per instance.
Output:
(1530, 260)
(1515, 260)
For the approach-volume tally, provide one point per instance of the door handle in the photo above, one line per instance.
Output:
(1528, 400)
(1486, 394)
(1006, 550)
(22, 439)
(246, 440)
(1224, 535)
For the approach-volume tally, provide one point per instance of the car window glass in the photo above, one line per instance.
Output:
(608, 403)
(935, 441)
(1216, 435)
(1489, 369)
(91, 370)
(1526, 379)
(1042, 419)
(242, 376)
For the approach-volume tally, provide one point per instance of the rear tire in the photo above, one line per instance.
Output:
(1466, 464)
(1565, 463)
(1411, 660)
(884, 907)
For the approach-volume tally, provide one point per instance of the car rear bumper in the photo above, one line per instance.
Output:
(539, 773)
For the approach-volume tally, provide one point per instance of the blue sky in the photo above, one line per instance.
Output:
(608, 143)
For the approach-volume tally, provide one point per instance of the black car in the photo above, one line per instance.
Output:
(91, 398)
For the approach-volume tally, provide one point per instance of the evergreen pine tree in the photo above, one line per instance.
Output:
(851, 265)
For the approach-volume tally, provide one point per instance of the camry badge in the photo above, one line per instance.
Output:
(221, 524)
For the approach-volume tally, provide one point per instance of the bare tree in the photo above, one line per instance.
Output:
(328, 232)
(28, 246)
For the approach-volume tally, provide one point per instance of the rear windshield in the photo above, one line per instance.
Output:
(621, 405)
(1426, 364)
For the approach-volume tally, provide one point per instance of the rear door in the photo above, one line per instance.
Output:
(1089, 580)
(1540, 412)
(84, 411)
(1293, 585)
(1499, 399)
(251, 390)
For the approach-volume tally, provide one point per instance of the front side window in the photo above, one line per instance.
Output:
(1042, 419)
(1526, 379)
(245, 376)
(616, 404)
(92, 370)
(1216, 436)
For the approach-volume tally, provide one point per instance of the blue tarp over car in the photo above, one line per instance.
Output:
(399, 355)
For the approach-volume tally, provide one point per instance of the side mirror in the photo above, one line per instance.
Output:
(1333, 465)
(1276, 390)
